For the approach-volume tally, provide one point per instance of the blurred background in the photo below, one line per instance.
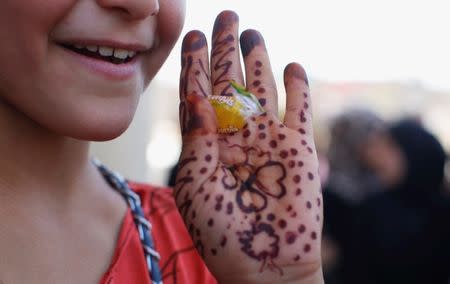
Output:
(387, 56)
(370, 64)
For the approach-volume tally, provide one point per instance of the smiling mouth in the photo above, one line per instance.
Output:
(109, 54)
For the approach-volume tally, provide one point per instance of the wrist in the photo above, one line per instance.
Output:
(315, 277)
(304, 275)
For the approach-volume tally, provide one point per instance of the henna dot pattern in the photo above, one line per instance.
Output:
(301, 229)
(273, 144)
(284, 154)
(223, 241)
(282, 224)
(290, 237)
(291, 164)
(230, 208)
(302, 117)
(262, 101)
(270, 217)
(307, 248)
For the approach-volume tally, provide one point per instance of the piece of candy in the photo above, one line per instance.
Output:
(232, 111)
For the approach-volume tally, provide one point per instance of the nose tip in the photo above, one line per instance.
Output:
(134, 9)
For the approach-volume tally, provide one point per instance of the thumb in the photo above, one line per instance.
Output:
(199, 155)
(201, 118)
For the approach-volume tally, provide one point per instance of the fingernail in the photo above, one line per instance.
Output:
(224, 20)
(295, 70)
(249, 40)
(193, 41)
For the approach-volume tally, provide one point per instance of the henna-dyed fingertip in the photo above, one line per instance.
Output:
(249, 40)
(225, 19)
(193, 41)
(297, 71)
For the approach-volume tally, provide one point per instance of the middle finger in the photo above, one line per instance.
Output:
(225, 61)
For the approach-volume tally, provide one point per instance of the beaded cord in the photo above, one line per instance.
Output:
(143, 226)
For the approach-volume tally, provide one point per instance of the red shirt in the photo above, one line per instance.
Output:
(180, 262)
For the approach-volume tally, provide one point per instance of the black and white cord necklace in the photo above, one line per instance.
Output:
(143, 226)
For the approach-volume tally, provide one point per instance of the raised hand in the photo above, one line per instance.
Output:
(250, 200)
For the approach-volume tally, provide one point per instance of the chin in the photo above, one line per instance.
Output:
(102, 134)
(94, 123)
(101, 129)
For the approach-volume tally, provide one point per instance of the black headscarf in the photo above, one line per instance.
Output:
(425, 157)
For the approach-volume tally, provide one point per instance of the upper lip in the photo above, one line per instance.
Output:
(116, 44)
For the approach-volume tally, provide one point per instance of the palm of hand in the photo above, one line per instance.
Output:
(251, 201)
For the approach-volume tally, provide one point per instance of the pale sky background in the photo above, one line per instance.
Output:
(384, 40)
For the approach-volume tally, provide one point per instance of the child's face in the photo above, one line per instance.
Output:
(48, 74)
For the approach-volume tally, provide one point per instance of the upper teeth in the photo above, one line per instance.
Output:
(108, 51)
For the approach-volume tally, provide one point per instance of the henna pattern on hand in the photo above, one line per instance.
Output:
(261, 200)
(252, 195)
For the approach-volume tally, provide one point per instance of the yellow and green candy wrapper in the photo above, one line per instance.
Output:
(232, 111)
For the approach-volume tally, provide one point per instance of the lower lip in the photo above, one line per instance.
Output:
(111, 71)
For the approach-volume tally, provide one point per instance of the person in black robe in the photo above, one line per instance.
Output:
(402, 235)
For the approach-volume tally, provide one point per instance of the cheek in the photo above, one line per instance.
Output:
(24, 29)
(170, 21)
(169, 26)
